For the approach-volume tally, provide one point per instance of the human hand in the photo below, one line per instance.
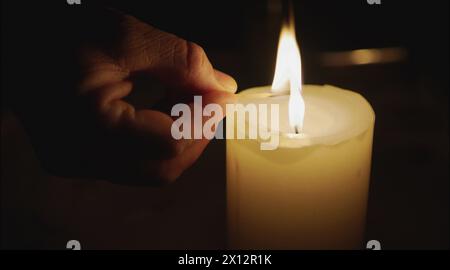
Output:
(108, 137)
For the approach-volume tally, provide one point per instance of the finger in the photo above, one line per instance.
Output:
(177, 62)
(192, 149)
(210, 117)
(168, 170)
(149, 124)
(226, 80)
(141, 133)
(147, 133)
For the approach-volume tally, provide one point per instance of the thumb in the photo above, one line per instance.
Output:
(176, 62)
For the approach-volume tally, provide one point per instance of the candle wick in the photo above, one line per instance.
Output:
(296, 129)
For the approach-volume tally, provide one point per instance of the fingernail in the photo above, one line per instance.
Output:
(228, 83)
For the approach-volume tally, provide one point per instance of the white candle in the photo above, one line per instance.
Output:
(311, 192)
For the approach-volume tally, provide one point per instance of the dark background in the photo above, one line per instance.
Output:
(409, 193)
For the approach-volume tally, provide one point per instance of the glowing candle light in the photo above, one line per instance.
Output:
(311, 192)
(288, 72)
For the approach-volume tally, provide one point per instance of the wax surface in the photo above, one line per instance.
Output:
(332, 115)
(311, 192)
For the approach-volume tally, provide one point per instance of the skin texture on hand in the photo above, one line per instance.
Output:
(98, 134)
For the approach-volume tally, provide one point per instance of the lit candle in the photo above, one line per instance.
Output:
(311, 191)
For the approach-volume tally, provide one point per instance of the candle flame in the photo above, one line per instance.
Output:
(288, 75)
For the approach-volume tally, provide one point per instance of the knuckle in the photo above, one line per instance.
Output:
(195, 58)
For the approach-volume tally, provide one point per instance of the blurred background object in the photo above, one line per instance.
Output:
(395, 54)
